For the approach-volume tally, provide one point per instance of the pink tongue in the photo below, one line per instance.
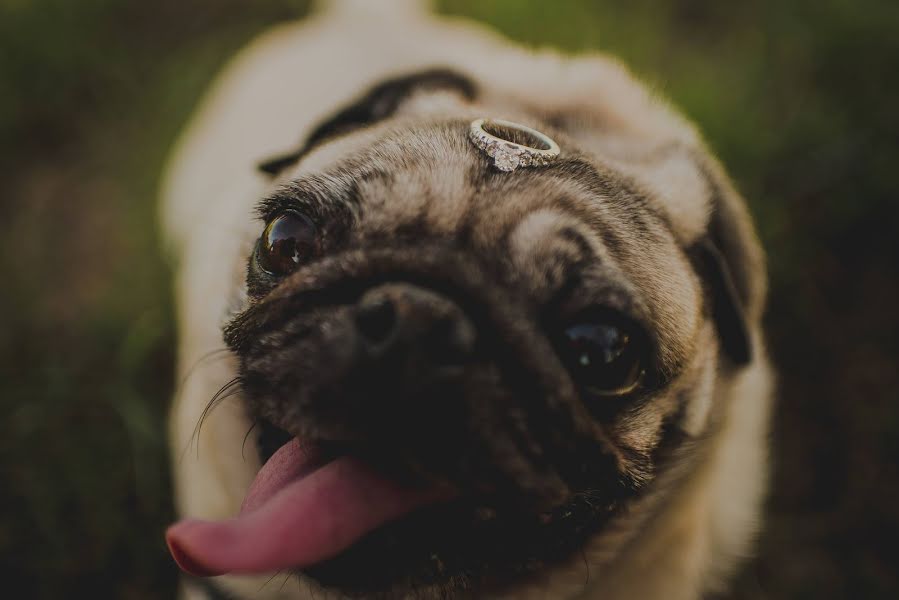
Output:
(294, 516)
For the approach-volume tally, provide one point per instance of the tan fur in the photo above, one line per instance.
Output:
(270, 97)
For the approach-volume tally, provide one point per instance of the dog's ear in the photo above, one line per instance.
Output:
(730, 260)
(380, 102)
(726, 303)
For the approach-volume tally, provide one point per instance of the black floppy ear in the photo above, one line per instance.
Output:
(380, 102)
(276, 164)
(726, 305)
(730, 260)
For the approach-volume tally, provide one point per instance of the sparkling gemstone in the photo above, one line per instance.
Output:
(524, 160)
(492, 148)
(506, 160)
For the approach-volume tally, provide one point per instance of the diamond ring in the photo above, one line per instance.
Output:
(511, 145)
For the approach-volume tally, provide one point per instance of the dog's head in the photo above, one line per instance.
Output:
(459, 375)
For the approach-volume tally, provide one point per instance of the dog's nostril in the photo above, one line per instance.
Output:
(405, 323)
(376, 319)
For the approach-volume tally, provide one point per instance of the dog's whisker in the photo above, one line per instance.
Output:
(246, 437)
(283, 583)
(269, 580)
(232, 387)
(586, 569)
(228, 390)
(207, 357)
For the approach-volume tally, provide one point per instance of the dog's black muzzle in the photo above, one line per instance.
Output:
(423, 361)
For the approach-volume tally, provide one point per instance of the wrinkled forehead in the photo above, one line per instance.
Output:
(427, 181)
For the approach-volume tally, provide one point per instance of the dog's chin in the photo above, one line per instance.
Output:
(454, 543)
(466, 544)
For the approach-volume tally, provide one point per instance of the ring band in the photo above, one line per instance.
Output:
(512, 145)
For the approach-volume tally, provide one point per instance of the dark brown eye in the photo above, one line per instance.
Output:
(288, 241)
(605, 355)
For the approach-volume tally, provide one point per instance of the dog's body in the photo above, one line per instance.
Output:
(696, 510)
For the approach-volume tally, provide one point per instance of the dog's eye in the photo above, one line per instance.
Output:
(288, 240)
(605, 354)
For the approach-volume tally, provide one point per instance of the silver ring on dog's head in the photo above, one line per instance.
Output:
(511, 145)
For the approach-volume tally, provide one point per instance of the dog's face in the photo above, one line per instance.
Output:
(498, 363)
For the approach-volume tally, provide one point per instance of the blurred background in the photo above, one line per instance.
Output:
(799, 97)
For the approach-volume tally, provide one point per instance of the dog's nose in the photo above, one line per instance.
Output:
(399, 318)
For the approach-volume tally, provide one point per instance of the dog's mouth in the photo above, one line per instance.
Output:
(350, 524)
(300, 511)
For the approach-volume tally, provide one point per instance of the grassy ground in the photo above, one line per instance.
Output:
(799, 98)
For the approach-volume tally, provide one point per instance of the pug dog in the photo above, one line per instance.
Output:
(457, 319)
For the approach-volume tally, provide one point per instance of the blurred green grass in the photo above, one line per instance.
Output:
(798, 97)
